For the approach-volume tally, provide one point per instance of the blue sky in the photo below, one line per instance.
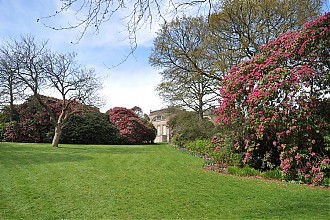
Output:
(130, 84)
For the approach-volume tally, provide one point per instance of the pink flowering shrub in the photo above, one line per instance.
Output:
(133, 129)
(33, 123)
(277, 104)
(304, 165)
(220, 154)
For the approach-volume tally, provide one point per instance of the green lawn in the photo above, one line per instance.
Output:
(139, 182)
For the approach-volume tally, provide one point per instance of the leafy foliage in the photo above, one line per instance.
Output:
(134, 130)
(277, 104)
(33, 123)
(89, 128)
(221, 154)
(198, 146)
(188, 126)
(240, 27)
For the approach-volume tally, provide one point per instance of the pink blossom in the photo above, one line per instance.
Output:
(274, 143)
(315, 169)
(324, 161)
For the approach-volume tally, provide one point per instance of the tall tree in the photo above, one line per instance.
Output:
(72, 83)
(38, 69)
(11, 88)
(240, 27)
(179, 49)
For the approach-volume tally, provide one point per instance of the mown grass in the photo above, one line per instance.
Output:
(139, 182)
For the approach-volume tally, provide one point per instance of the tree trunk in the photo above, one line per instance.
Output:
(57, 135)
(58, 128)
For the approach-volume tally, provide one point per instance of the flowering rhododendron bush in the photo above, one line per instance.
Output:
(33, 123)
(276, 106)
(134, 130)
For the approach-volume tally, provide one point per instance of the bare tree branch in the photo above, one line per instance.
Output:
(92, 14)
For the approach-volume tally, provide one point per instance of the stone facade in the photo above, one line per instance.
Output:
(159, 119)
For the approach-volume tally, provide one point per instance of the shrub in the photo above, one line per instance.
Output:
(4, 119)
(188, 126)
(277, 104)
(33, 121)
(133, 130)
(221, 153)
(198, 146)
(90, 128)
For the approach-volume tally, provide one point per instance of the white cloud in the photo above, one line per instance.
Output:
(132, 88)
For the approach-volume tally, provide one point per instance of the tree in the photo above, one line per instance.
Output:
(240, 27)
(72, 83)
(179, 48)
(277, 104)
(11, 88)
(38, 68)
(133, 129)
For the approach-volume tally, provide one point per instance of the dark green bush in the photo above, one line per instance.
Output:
(4, 118)
(90, 128)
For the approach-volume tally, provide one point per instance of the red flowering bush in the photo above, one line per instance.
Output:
(277, 105)
(133, 129)
(33, 123)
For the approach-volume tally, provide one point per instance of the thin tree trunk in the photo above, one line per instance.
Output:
(58, 129)
(57, 135)
(11, 95)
